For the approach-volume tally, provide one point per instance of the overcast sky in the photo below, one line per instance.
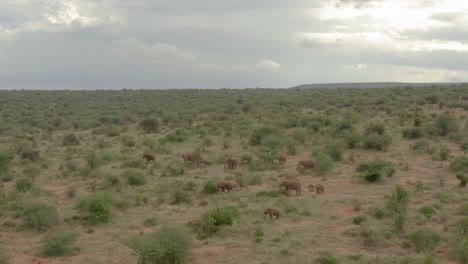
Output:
(115, 44)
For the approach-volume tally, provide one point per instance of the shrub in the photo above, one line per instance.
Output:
(424, 239)
(97, 207)
(181, 196)
(376, 128)
(299, 134)
(134, 177)
(259, 133)
(173, 170)
(371, 171)
(212, 221)
(210, 187)
(371, 238)
(396, 204)
(30, 154)
(254, 180)
(463, 209)
(463, 179)
(165, 246)
(324, 163)
(40, 216)
(464, 145)
(70, 139)
(377, 213)
(273, 142)
(246, 158)
(180, 135)
(352, 139)
(23, 185)
(421, 146)
(398, 200)
(326, 257)
(444, 153)
(359, 219)
(412, 133)
(149, 125)
(445, 124)
(376, 142)
(92, 160)
(4, 257)
(460, 163)
(59, 244)
(334, 150)
(459, 248)
(343, 126)
(427, 211)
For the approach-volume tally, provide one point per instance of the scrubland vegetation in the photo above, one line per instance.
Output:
(75, 189)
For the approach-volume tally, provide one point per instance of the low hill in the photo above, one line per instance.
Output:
(371, 85)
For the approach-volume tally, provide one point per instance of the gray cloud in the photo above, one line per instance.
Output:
(211, 44)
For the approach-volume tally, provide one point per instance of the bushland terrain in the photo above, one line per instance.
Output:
(393, 162)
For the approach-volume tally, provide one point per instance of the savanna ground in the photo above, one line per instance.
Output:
(59, 148)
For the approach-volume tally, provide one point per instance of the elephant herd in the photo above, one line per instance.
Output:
(231, 164)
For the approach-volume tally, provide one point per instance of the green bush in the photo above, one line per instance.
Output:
(421, 146)
(23, 185)
(326, 257)
(444, 153)
(459, 248)
(97, 208)
(463, 179)
(425, 239)
(398, 200)
(260, 133)
(165, 246)
(70, 139)
(427, 211)
(371, 238)
(324, 163)
(210, 187)
(149, 125)
(376, 128)
(412, 133)
(134, 177)
(334, 150)
(352, 139)
(376, 142)
(92, 160)
(173, 170)
(446, 123)
(30, 154)
(460, 163)
(40, 216)
(377, 213)
(212, 221)
(372, 171)
(4, 257)
(396, 204)
(359, 219)
(463, 209)
(300, 135)
(180, 135)
(180, 196)
(464, 145)
(272, 142)
(343, 126)
(59, 244)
